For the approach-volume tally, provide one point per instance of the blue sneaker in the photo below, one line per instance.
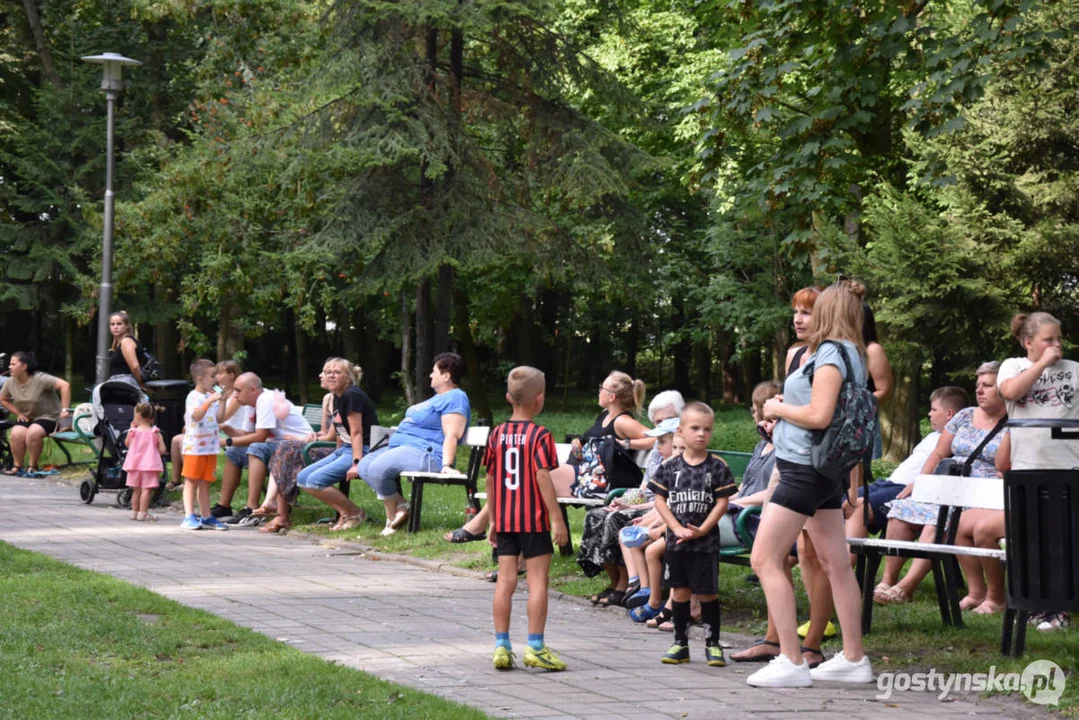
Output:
(638, 598)
(212, 523)
(644, 613)
(191, 522)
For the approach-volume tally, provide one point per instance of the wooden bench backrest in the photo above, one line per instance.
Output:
(965, 492)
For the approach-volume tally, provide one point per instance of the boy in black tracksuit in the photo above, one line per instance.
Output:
(691, 495)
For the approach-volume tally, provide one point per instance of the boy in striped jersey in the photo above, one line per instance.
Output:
(524, 512)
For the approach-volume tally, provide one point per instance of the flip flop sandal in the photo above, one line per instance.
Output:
(263, 512)
(762, 658)
(273, 527)
(14, 472)
(815, 651)
(460, 535)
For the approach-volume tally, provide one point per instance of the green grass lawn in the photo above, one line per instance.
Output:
(77, 644)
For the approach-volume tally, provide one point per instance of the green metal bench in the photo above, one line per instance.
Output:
(76, 436)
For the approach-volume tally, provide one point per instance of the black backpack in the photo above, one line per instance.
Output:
(151, 366)
(842, 445)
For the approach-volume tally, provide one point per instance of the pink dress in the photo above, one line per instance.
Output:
(143, 463)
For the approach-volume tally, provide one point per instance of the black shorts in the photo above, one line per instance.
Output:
(47, 425)
(698, 571)
(529, 544)
(804, 490)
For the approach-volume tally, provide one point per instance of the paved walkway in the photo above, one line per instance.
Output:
(419, 627)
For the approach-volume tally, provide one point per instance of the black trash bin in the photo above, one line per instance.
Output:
(171, 396)
(1041, 511)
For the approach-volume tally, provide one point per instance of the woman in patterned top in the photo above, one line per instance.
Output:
(961, 437)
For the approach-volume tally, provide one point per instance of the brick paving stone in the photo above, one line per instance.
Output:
(405, 622)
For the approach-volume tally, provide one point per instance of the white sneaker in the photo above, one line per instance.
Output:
(389, 529)
(840, 669)
(782, 673)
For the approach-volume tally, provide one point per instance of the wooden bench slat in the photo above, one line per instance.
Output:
(878, 544)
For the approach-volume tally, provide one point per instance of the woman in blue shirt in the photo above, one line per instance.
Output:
(425, 440)
(806, 498)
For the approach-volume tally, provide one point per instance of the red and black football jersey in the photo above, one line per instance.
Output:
(516, 451)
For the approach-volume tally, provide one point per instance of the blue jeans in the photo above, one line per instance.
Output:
(381, 468)
(328, 471)
(237, 454)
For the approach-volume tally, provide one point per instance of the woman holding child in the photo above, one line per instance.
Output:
(806, 498)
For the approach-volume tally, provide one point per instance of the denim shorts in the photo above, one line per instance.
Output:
(237, 454)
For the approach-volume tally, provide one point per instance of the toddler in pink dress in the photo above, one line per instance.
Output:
(143, 465)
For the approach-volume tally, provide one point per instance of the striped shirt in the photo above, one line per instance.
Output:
(516, 451)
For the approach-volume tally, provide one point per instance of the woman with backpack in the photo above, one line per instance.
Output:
(808, 498)
(125, 353)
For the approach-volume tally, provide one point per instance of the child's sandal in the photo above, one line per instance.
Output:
(613, 600)
(664, 616)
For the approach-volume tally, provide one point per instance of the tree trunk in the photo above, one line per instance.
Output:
(229, 337)
(566, 372)
(424, 356)
(726, 382)
(780, 344)
(69, 348)
(406, 353)
(899, 416)
(443, 306)
(681, 349)
(633, 343)
(301, 357)
(702, 370)
(33, 18)
(347, 324)
(751, 371)
(477, 394)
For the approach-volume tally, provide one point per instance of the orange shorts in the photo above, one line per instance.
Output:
(200, 467)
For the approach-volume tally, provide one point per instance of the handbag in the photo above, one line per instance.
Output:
(604, 465)
(951, 466)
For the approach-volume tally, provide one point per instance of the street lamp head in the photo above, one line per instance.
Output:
(114, 63)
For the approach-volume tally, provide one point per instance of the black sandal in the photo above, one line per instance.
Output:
(664, 616)
(613, 600)
(815, 651)
(460, 535)
(758, 658)
(602, 595)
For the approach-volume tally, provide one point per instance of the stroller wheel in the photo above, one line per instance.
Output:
(160, 497)
(87, 490)
(123, 498)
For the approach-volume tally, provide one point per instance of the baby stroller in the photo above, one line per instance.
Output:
(114, 404)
